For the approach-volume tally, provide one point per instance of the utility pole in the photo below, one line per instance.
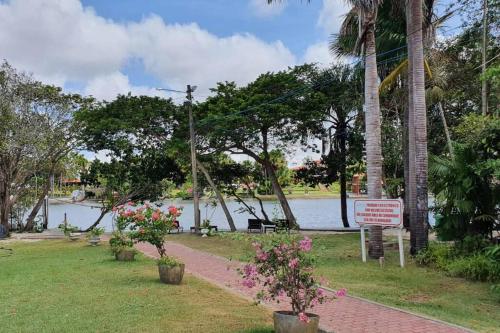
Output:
(192, 137)
(196, 199)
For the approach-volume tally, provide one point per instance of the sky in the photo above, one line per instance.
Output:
(108, 47)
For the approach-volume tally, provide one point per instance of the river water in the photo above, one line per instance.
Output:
(310, 213)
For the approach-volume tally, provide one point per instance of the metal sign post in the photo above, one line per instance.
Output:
(387, 213)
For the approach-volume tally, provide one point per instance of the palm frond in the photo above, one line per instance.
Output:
(391, 78)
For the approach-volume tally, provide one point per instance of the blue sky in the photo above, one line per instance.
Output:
(109, 47)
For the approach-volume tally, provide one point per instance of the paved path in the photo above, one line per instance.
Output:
(344, 315)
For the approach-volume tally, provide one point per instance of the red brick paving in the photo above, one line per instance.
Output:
(344, 315)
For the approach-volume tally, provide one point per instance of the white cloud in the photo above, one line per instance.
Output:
(332, 14)
(107, 87)
(180, 54)
(320, 54)
(262, 9)
(62, 41)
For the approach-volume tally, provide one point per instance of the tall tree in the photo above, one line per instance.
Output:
(341, 103)
(364, 13)
(137, 132)
(36, 132)
(418, 122)
(273, 112)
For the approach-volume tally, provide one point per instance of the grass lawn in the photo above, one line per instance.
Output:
(418, 289)
(60, 286)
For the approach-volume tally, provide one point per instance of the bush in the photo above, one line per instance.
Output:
(477, 268)
(436, 254)
(470, 245)
(167, 261)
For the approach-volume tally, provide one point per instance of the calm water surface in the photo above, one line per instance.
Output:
(310, 213)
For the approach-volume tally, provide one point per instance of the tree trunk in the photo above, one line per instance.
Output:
(484, 84)
(31, 217)
(446, 130)
(406, 160)
(411, 201)
(373, 136)
(219, 196)
(4, 202)
(420, 117)
(343, 176)
(280, 194)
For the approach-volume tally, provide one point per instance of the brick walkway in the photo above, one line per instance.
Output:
(344, 315)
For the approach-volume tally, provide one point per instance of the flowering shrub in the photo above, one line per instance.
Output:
(284, 267)
(147, 224)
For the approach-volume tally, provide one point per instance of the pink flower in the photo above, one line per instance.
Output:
(293, 263)
(262, 255)
(250, 270)
(249, 283)
(173, 210)
(155, 216)
(303, 317)
(305, 244)
(114, 209)
(131, 203)
(140, 217)
(341, 292)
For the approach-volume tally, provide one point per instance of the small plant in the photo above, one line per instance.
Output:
(95, 233)
(119, 241)
(284, 267)
(168, 262)
(67, 228)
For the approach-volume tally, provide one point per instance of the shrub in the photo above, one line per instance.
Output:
(168, 261)
(477, 268)
(120, 241)
(436, 254)
(285, 268)
(470, 245)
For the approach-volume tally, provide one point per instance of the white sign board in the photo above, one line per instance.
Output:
(384, 212)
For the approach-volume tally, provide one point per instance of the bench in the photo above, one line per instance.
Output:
(254, 225)
(212, 227)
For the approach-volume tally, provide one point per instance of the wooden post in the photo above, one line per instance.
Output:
(401, 251)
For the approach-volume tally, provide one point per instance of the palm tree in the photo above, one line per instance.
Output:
(364, 16)
(417, 122)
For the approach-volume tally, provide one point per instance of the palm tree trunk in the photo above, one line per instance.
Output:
(219, 196)
(420, 117)
(410, 186)
(343, 176)
(484, 84)
(373, 137)
(446, 130)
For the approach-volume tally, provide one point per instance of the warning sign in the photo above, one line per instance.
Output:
(386, 212)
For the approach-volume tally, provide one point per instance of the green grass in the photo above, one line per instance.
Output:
(418, 289)
(59, 286)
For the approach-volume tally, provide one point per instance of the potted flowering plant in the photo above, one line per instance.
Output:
(121, 244)
(152, 225)
(284, 270)
(94, 236)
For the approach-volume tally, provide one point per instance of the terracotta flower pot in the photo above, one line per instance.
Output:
(171, 275)
(287, 322)
(125, 255)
